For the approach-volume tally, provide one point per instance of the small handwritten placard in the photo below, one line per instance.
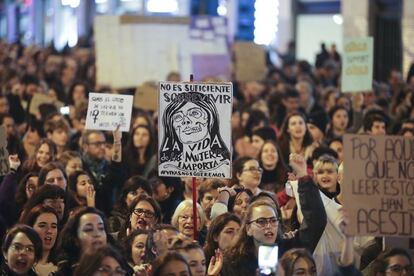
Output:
(107, 111)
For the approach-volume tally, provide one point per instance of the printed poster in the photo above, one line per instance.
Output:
(195, 129)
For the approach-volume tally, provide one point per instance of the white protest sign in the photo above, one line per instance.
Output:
(357, 64)
(195, 129)
(107, 111)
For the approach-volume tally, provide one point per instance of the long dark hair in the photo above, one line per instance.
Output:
(131, 153)
(216, 226)
(30, 165)
(284, 140)
(161, 262)
(31, 217)
(21, 196)
(68, 240)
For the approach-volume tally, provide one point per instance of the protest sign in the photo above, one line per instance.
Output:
(379, 185)
(146, 97)
(357, 64)
(38, 99)
(250, 61)
(195, 129)
(107, 111)
(4, 154)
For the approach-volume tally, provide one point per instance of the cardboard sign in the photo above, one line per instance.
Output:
(195, 129)
(357, 64)
(107, 111)
(4, 154)
(250, 61)
(379, 185)
(146, 97)
(39, 99)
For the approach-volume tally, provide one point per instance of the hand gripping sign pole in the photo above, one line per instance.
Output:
(194, 185)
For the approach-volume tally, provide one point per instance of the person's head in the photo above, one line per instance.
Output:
(134, 187)
(45, 152)
(57, 130)
(291, 100)
(338, 146)
(393, 262)
(44, 221)
(144, 213)
(325, 173)
(238, 203)
(86, 229)
(190, 118)
(260, 135)
(269, 155)
(71, 161)
(375, 123)
(257, 119)
(171, 264)
(208, 193)
(339, 118)
(79, 183)
(305, 90)
(174, 76)
(142, 139)
(164, 187)
(26, 188)
(48, 195)
(93, 144)
(294, 127)
(193, 253)
(135, 246)
(317, 123)
(21, 248)
(105, 260)
(221, 233)
(7, 121)
(30, 84)
(183, 218)
(164, 235)
(247, 173)
(140, 117)
(4, 104)
(295, 262)
(78, 93)
(53, 174)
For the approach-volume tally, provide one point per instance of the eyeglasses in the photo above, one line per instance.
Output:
(18, 247)
(253, 169)
(263, 222)
(97, 144)
(107, 271)
(399, 269)
(147, 213)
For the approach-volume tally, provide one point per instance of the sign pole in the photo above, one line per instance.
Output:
(194, 185)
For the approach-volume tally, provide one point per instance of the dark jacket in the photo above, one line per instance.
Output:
(8, 207)
(5, 271)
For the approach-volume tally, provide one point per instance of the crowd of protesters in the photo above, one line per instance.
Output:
(86, 202)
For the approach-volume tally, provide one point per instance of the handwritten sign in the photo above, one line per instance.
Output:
(146, 97)
(195, 129)
(4, 154)
(357, 64)
(107, 111)
(250, 61)
(379, 191)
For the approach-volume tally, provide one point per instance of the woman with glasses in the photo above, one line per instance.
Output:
(22, 248)
(183, 219)
(392, 262)
(133, 188)
(261, 226)
(144, 213)
(86, 230)
(101, 262)
(247, 174)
